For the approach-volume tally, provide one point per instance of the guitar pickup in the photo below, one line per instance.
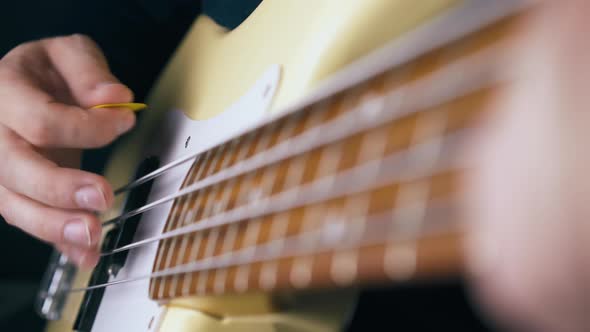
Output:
(120, 235)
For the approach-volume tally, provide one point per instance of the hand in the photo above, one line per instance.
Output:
(46, 90)
(529, 255)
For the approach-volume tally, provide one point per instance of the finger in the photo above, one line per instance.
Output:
(85, 258)
(26, 172)
(85, 70)
(72, 228)
(35, 116)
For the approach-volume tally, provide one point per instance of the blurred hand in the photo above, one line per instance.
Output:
(46, 90)
(529, 194)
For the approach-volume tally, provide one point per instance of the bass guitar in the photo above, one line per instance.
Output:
(285, 164)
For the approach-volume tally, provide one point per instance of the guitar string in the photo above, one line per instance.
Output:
(216, 221)
(391, 168)
(377, 230)
(436, 94)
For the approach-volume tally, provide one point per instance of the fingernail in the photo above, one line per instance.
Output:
(82, 258)
(126, 123)
(76, 232)
(90, 197)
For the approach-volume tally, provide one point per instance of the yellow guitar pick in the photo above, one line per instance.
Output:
(132, 106)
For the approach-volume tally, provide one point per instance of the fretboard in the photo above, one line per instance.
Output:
(357, 188)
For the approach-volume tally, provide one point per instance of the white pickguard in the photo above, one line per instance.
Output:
(126, 307)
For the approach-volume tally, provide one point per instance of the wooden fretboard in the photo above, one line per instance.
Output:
(357, 188)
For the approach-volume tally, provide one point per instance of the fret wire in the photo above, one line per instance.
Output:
(249, 241)
(243, 148)
(245, 189)
(160, 254)
(223, 158)
(268, 176)
(198, 237)
(330, 160)
(208, 164)
(168, 226)
(283, 135)
(170, 244)
(250, 193)
(226, 248)
(177, 219)
(392, 165)
(358, 210)
(301, 268)
(183, 246)
(195, 247)
(277, 128)
(416, 195)
(210, 168)
(317, 113)
(289, 130)
(294, 176)
(183, 253)
(185, 238)
(265, 138)
(277, 232)
(257, 136)
(175, 207)
(230, 238)
(209, 207)
(166, 248)
(230, 150)
(349, 124)
(438, 211)
(266, 182)
(211, 237)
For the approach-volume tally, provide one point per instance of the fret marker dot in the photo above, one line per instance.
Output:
(344, 268)
(241, 279)
(400, 262)
(333, 232)
(301, 273)
(220, 277)
(372, 107)
(202, 283)
(268, 276)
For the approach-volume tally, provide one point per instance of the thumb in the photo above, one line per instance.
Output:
(85, 71)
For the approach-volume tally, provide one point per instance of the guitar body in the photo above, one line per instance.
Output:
(218, 84)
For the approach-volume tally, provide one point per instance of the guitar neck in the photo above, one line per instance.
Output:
(359, 187)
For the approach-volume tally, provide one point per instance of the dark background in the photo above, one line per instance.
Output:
(137, 37)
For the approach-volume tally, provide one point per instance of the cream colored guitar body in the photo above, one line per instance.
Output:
(208, 92)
